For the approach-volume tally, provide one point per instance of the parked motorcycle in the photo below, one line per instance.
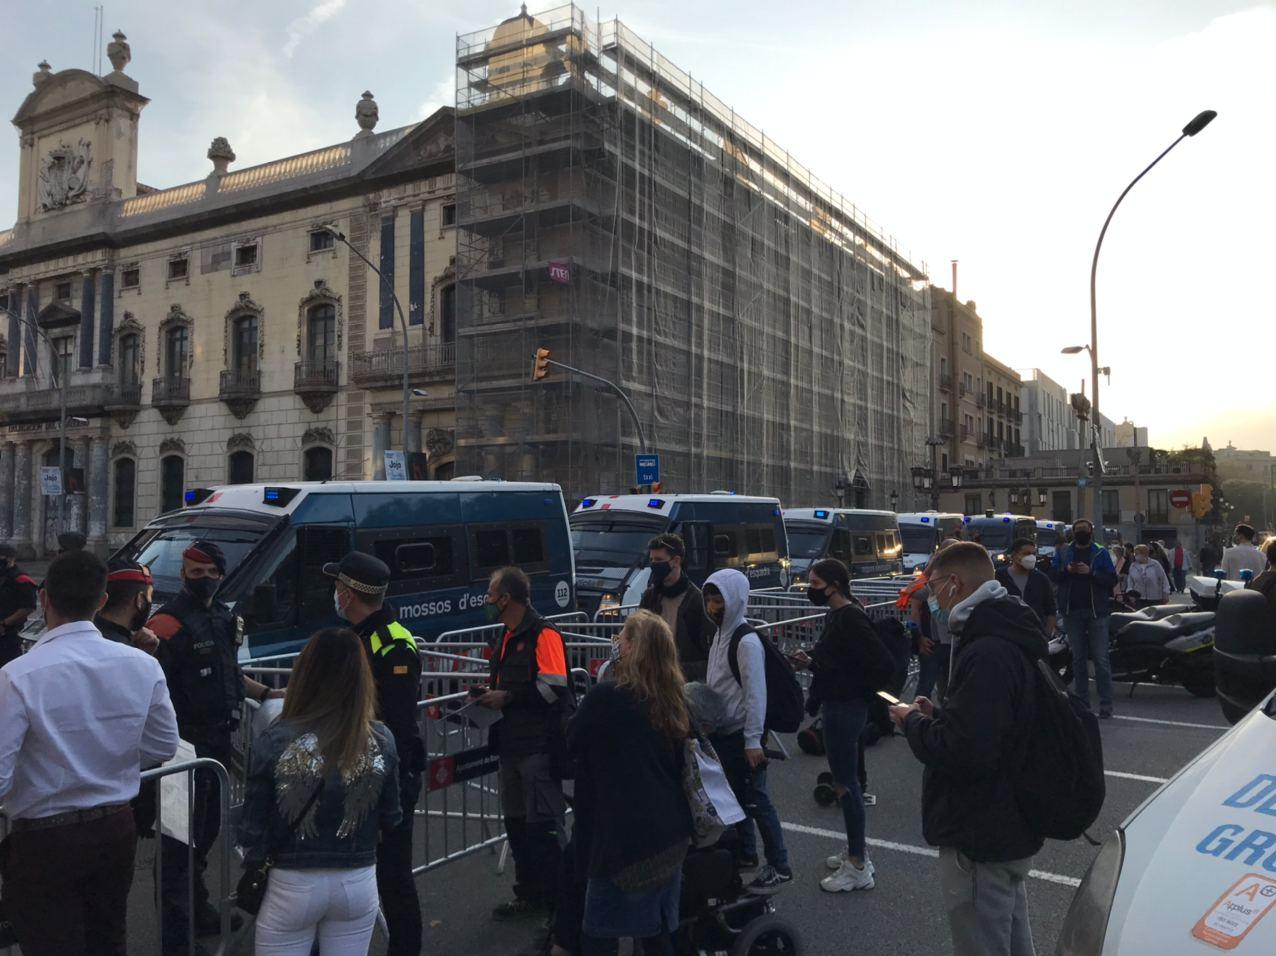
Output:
(1157, 645)
(1244, 653)
(1208, 589)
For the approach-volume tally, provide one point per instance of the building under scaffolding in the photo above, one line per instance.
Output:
(612, 210)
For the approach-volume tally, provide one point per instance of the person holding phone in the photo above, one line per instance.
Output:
(845, 664)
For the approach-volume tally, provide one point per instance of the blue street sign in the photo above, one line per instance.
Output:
(647, 469)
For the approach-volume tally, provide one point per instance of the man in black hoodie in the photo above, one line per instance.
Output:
(672, 595)
(972, 748)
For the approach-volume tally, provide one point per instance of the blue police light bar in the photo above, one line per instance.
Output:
(656, 503)
(1005, 521)
(588, 503)
(925, 521)
(195, 496)
(821, 514)
(278, 496)
(776, 512)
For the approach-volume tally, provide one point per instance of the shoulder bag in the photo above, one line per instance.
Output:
(252, 885)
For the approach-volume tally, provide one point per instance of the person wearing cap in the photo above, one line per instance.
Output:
(199, 651)
(129, 592)
(358, 596)
(18, 598)
(71, 541)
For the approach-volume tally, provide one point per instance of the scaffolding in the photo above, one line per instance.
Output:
(611, 209)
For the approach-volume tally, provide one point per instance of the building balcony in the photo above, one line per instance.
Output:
(945, 382)
(1156, 517)
(316, 382)
(947, 428)
(239, 389)
(980, 400)
(965, 432)
(124, 401)
(383, 368)
(171, 395)
(33, 400)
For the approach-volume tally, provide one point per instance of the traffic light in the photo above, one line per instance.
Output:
(1203, 501)
(541, 368)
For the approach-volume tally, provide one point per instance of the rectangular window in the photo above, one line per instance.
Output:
(125, 477)
(131, 278)
(63, 349)
(449, 214)
(1061, 509)
(974, 504)
(529, 548)
(246, 255)
(62, 292)
(178, 268)
(321, 240)
(1158, 505)
(491, 549)
(1111, 506)
(430, 557)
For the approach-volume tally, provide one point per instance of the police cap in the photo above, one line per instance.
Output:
(71, 541)
(205, 552)
(361, 573)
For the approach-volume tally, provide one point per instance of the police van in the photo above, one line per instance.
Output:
(997, 532)
(1193, 870)
(440, 539)
(867, 542)
(920, 534)
(1051, 535)
(610, 535)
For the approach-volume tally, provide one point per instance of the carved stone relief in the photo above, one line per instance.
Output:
(64, 175)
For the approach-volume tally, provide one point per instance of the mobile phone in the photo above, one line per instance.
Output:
(889, 698)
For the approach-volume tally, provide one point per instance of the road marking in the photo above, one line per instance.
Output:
(1170, 723)
(931, 852)
(1135, 776)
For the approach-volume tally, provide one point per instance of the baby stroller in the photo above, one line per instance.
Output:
(719, 917)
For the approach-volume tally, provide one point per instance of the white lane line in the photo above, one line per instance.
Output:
(1170, 723)
(1135, 776)
(931, 852)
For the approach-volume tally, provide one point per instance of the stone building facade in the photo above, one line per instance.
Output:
(215, 331)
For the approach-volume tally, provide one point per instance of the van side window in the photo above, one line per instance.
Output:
(522, 545)
(529, 546)
(696, 537)
(417, 557)
(864, 546)
(760, 543)
(491, 549)
(317, 546)
(841, 546)
(724, 548)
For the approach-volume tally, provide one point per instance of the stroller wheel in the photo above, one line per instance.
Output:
(767, 936)
(824, 793)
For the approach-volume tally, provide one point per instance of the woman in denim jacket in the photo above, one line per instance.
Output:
(322, 788)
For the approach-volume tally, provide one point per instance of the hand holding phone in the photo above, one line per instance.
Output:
(889, 698)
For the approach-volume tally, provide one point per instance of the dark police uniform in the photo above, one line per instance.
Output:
(17, 591)
(199, 650)
(396, 669)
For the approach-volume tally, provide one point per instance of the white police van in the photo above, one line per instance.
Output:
(440, 539)
(1193, 870)
(920, 534)
(866, 541)
(1051, 535)
(610, 534)
(998, 532)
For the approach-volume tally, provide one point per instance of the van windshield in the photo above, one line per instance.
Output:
(808, 541)
(162, 552)
(613, 540)
(994, 537)
(918, 538)
(1047, 537)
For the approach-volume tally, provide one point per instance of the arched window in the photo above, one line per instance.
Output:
(321, 335)
(172, 482)
(176, 351)
(130, 359)
(244, 346)
(125, 483)
(317, 463)
(447, 315)
(240, 471)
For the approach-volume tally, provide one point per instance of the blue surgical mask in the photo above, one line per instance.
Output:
(937, 613)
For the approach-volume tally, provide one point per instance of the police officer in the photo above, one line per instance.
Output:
(17, 600)
(198, 650)
(129, 592)
(358, 595)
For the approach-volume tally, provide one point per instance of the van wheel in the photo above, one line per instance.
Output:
(1200, 685)
(767, 936)
(1233, 713)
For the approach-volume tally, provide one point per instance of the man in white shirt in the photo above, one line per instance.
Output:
(79, 717)
(1243, 554)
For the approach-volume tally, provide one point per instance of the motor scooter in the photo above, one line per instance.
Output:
(1207, 589)
(1157, 645)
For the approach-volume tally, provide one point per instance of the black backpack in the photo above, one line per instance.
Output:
(1060, 785)
(785, 704)
(889, 671)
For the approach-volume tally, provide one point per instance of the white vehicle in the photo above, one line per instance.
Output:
(1193, 870)
(866, 541)
(920, 534)
(1050, 535)
(1206, 589)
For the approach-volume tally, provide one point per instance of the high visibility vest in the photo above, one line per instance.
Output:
(906, 594)
(396, 632)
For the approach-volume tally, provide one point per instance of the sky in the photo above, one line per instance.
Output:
(994, 132)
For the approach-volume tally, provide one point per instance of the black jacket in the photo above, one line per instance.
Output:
(973, 745)
(692, 634)
(530, 663)
(396, 670)
(1038, 594)
(847, 653)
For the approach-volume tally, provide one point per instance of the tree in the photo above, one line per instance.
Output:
(1251, 501)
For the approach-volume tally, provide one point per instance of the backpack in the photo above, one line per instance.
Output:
(1060, 785)
(888, 669)
(785, 703)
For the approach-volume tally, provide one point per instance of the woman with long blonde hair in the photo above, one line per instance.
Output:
(322, 788)
(633, 823)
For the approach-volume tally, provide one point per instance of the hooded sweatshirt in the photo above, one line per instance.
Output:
(973, 746)
(744, 701)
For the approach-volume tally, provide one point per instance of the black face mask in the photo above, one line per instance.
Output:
(818, 598)
(717, 619)
(202, 589)
(140, 614)
(660, 571)
(1082, 538)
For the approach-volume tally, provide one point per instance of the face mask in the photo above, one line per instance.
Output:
(1142, 559)
(937, 613)
(139, 617)
(1028, 562)
(717, 617)
(1082, 538)
(492, 612)
(336, 605)
(660, 570)
(818, 598)
(202, 589)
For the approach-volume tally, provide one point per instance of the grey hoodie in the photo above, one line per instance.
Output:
(745, 702)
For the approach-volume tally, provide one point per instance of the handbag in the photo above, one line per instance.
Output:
(251, 889)
(713, 804)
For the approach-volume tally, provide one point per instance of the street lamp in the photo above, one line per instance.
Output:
(840, 490)
(1198, 123)
(894, 500)
(403, 322)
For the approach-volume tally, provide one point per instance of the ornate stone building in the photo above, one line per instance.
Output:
(214, 331)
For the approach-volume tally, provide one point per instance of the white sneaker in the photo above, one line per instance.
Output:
(849, 878)
(835, 862)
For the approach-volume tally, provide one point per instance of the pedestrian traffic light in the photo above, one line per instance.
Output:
(1203, 501)
(541, 368)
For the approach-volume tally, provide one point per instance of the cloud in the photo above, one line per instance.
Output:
(302, 27)
(443, 94)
